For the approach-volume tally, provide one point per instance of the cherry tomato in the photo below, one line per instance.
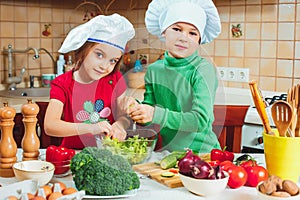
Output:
(226, 164)
(237, 176)
(256, 174)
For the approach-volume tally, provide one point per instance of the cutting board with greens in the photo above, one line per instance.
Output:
(155, 172)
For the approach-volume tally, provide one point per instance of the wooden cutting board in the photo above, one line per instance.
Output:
(154, 172)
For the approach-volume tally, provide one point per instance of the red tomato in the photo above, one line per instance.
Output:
(226, 164)
(256, 174)
(248, 163)
(237, 176)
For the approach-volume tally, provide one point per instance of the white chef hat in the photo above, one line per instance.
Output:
(114, 29)
(201, 13)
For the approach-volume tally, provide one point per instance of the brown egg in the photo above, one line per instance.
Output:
(38, 198)
(47, 190)
(61, 184)
(30, 196)
(69, 190)
(11, 198)
(55, 195)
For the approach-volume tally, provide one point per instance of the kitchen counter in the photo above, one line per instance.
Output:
(17, 103)
(151, 189)
(224, 96)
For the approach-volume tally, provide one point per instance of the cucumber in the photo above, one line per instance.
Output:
(168, 161)
(179, 154)
(167, 174)
(157, 162)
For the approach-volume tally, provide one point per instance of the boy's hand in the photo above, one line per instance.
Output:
(141, 113)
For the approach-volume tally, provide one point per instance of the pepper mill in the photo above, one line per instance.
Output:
(8, 146)
(30, 141)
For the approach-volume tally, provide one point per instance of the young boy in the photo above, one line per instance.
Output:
(181, 88)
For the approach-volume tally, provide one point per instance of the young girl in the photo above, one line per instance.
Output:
(83, 102)
(181, 88)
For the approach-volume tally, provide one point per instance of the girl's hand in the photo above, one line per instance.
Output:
(117, 131)
(141, 113)
(101, 127)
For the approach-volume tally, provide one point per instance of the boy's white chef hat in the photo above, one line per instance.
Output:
(201, 13)
(114, 29)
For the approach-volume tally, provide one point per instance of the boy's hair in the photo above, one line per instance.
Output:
(83, 51)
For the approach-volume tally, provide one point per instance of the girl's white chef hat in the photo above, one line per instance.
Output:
(201, 13)
(114, 29)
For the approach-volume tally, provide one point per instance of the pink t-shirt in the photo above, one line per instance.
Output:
(87, 103)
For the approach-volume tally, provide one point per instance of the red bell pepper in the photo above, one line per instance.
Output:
(221, 155)
(60, 157)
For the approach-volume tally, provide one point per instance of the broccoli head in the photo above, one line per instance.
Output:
(99, 172)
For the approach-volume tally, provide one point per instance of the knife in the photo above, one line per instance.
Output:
(260, 106)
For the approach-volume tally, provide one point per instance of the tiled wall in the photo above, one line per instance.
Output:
(269, 45)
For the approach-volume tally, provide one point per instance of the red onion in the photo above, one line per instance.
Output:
(216, 173)
(186, 163)
(201, 169)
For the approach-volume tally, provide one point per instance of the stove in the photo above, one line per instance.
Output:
(252, 140)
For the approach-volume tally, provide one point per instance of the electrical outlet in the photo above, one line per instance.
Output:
(222, 73)
(231, 74)
(242, 74)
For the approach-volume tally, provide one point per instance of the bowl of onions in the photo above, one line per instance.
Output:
(199, 177)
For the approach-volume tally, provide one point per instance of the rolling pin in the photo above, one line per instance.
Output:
(260, 106)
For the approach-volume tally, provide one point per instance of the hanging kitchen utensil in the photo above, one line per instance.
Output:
(293, 99)
(297, 98)
(282, 113)
(260, 106)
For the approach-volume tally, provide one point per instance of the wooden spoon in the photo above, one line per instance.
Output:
(282, 113)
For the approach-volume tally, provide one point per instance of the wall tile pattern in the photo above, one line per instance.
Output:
(269, 46)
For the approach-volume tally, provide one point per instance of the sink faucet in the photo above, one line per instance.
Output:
(49, 54)
(14, 80)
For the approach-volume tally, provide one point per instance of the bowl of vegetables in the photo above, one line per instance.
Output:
(136, 148)
(199, 177)
(60, 157)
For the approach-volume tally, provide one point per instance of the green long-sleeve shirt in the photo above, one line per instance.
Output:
(183, 93)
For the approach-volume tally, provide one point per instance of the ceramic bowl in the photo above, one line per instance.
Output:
(129, 152)
(263, 196)
(38, 170)
(204, 187)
